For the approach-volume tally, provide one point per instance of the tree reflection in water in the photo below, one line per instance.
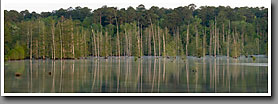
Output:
(147, 74)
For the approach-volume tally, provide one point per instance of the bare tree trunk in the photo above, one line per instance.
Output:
(95, 44)
(158, 35)
(94, 52)
(61, 45)
(150, 47)
(138, 40)
(178, 41)
(135, 37)
(228, 41)
(78, 42)
(258, 33)
(98, 36)
(141, 51)
(154, 50)
(37, 43)
(106, 44)
(43, 41)
(210, 41)
(223, 33)
(130, 42)
(187, 40)
(110, 46)
(237, 39)
(72, 41)
(61, 42)
(85, 45)
(234, 44)
(166, 34)
(223, 39)
(228, 47)
(101, 42)
(37, 49)
(218, 46)
(126, 39)
(204, 43)
(31, 46)
(53, 39)
(28, 40)
(215, 41)
(164, 52)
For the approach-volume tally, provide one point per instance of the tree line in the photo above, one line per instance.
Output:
(108, 31)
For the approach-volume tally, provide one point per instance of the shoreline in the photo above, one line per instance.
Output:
(167, 57)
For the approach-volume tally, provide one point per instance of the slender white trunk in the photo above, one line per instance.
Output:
(61, 44)
(85, 44)
(178, 42)
(228, 41)
(138, 40)
(210, 41)
(98, 36)
(158, 36)
(43, 41)
(187, 40)
(53, 39)
(164, 52)
(126, 41)
(197, 37)
(154, 51)
(95, 45)
(31, 46)
(141, 36)
(72, 41)
(28, 38)
(215, 41)
(150, 47)
(204, 43)
(223, 33)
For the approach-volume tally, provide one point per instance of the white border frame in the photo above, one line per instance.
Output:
(138, 94)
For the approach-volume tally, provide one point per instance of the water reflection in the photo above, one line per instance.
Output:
(147, 74)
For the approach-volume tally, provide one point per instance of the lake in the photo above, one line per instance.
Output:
(147, 74)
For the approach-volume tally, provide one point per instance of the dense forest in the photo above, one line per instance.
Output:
(108, 31)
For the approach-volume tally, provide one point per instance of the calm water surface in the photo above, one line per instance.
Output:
(147, 74)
